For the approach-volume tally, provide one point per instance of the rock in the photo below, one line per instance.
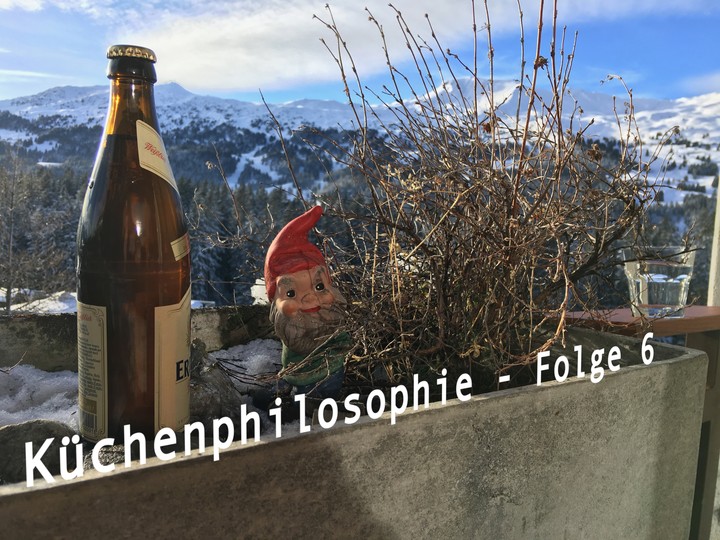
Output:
(12, 448)
(116, 453)
(213, 395)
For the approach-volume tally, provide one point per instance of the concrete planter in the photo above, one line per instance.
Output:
(576, 459)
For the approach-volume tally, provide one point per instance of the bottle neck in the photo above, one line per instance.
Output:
(132, 98)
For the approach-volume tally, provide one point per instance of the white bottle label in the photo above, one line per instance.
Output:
(92, 370)
(181, 246)
(172, 364)
(172, 367)
(152, 153)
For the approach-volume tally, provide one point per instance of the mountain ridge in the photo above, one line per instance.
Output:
(85, 104)
(62, 123)
(89, 104)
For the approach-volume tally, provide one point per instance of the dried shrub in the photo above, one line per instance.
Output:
(483, 216)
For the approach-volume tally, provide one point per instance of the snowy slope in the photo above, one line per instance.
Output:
(698, 119)
(176, 107)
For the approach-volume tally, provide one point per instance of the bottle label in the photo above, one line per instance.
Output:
(172, 367)
(152, 153)
(181, 246)
(172, 364)
(92, 370)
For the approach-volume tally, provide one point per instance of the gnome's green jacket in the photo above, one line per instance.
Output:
(318, 365)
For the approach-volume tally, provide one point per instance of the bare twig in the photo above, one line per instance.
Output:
(472, 232)
(9, 369)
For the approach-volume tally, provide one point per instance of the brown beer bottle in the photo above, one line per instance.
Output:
(133, 269)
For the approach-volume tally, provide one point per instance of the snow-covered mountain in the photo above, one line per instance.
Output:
(688, 161)
(176, 108)
(65, 122)
(697, 116)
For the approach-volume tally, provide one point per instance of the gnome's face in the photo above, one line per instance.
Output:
(306, 308)
(307, 291)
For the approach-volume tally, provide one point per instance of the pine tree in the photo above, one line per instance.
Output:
(14, 197)
(205, 250)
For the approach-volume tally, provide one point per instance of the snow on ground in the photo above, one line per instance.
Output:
(28, 393)
(245, 363)
(60, 302)
(259, 292)
(27, 293)
(12, 136)
(66, 302)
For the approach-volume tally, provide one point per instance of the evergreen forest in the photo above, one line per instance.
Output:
(231, 226)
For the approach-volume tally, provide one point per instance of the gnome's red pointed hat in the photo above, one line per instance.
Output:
(291, 251)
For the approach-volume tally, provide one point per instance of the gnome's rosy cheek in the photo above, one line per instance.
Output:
(292, 291)
(286, 300)
(287, 306)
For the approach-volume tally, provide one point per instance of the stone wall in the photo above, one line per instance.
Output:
(570, 460)
(49, 342)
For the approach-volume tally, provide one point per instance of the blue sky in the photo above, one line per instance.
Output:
(235, 48)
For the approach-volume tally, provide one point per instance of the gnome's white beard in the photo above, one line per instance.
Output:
(303, 333)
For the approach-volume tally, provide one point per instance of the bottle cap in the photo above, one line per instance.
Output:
(118, 51)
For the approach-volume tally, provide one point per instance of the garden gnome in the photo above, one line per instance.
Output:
(306, 309)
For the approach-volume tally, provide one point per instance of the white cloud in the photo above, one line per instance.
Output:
(20, 75)
(246, 44)
(99, 9)
(236, 45)
(702, 84)
(275, 44)
(26, 5)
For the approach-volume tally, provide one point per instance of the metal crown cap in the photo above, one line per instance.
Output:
(118, 51)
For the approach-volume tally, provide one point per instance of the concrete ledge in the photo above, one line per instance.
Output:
(227, 326)
(49, 342)
(616, 459)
